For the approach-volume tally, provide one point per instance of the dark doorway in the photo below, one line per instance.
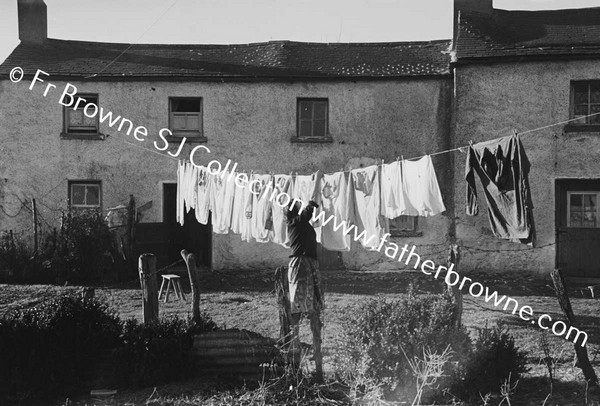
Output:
(578, 227)
(192, 236)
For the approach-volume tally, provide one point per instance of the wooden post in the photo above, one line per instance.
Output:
(315, 326)
(454, 291)
(583, 361)
(283, 304)
(35, 226)
(130, 237)
(147, 271)
(194, 274)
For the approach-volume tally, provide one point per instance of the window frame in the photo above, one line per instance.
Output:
(85, 182)
(81, 135)
(395, 232)
(191, 135)
(583, 192)
(573, 126)
(312, 138)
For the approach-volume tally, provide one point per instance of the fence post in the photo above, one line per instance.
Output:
(454, 291)
(194, 274)
(147, 271)
(583, 362)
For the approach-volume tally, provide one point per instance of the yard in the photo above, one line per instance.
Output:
(244, 299)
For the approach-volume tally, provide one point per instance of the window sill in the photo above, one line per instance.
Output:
(82, 136)
(192, 138)
(406, 233)
(591, 128)
(312, 140)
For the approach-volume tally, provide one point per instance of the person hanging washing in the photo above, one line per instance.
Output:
(306, 295)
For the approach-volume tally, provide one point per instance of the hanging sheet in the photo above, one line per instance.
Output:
(421, 189)
(503, 169)
(335, 196)
(260, 203)
(203, 193)
(393, 198)
(306, 188)
(279, 235)
(367, 205)
(222, 192)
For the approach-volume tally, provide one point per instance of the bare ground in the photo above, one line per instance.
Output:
(244, 299)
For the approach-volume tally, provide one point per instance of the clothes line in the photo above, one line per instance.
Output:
(457, 148)
(515, 132)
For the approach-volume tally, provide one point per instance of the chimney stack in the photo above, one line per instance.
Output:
(483, 6)
(33, 20)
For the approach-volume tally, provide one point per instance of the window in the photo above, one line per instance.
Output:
(77, 123)
(404, 226)
(313, 121)
(583, 209)
(185, 116)
(85, 194)
(585, 101)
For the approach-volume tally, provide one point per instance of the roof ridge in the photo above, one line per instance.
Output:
(253, 44)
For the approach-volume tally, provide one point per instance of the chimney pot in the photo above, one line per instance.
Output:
(33, 20)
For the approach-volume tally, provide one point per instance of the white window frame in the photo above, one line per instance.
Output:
(311, 120)
(82, 130)
(188, 133)
(86, 184)
(583, 192)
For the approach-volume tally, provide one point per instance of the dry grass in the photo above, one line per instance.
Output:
(244, 299)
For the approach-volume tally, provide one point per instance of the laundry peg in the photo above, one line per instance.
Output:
(515, 133)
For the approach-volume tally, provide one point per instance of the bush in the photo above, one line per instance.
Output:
(494, 357)
(79, 252)
(377, 332)
(82, 249)
(158, 352)
(17, 261)
(50, 349)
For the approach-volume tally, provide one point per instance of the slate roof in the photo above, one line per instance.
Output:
(574, 32)
(274, 59)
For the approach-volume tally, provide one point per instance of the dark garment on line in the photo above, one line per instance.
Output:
(303, 238)
(503, 169)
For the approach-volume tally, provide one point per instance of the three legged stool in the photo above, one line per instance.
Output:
(170, 281)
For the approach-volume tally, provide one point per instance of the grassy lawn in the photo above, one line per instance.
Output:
(245, 300)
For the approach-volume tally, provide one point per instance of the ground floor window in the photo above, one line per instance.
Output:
(85, 194)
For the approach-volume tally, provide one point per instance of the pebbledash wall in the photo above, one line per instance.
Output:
(250, 123)
(493, 99)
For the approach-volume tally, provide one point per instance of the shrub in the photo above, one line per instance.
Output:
(49, 349)
(82, 249)
(378, 332)
(79, 252)
(158, 352)
(16, 257)
(493, 358)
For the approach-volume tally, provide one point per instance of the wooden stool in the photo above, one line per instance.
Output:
(171, 281)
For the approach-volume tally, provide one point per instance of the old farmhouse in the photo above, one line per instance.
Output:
(502, 70)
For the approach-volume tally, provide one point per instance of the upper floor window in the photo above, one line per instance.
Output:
(85, 194)
(585, 103)
(313, 118)
(79, 121)
(185, 116)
